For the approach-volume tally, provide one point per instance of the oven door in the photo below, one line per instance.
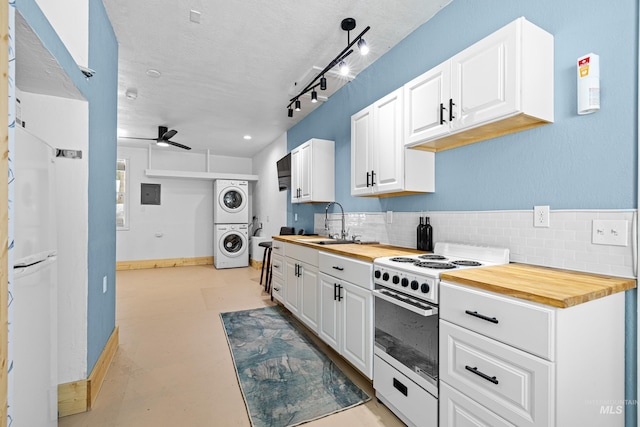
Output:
(406, 336)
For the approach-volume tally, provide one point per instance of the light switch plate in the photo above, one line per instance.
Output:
(610, 232)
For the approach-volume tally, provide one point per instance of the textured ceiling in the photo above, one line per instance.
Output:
(234, 72)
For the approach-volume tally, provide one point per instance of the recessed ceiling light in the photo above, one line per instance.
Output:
(153, 73)
(194, 16)
(247, 137)
(131, 93)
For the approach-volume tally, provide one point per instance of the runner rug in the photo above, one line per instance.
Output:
(284, 377)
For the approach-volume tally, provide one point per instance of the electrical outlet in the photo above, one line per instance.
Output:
(541, 216)
(609, 232)
(104, 285)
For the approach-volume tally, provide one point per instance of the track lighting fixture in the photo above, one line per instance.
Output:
(344, 68)
(363, 47)
(347, 25)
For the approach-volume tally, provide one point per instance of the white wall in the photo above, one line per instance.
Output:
(70, 19)
(269, 204)
(70, 130)
(182, 225)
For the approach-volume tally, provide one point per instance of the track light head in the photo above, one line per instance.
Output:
(362, 46)
(323, 83)
(297, 105)
(344, 68)
(290, 112)
(314, 96)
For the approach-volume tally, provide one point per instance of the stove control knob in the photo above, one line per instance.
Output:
(424, 288)
(405, 282)
(396, 280)
(385, 276)
(414, 285)
(377, 274)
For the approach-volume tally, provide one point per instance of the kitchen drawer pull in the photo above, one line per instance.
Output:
(451, 104)
(481, 316)
(276, 266)
(335, 267)
(400, 387)
(276, 289)
(481, 374)
(442, 113)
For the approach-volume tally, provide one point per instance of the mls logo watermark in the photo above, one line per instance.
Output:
(611, 409)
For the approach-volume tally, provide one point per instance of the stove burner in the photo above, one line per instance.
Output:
(432, 256)
(435, 265)
(402, 259)
(467, 263)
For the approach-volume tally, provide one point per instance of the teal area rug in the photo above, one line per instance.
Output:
(285, 379)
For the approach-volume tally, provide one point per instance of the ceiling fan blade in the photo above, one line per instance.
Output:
(133, 137)
(169, 134)
(175, 144)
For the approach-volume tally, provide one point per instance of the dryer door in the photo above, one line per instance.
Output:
(232, 199)
(233, 243)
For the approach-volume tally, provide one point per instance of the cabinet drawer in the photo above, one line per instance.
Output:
(301, 253)
(515, 385)
(277, 266)
(347, 269)
(277, 288)
(527, 326)
(457, 410)
(277, 247)
(410, 402)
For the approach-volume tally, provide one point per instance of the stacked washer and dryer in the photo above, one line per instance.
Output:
(231, 224)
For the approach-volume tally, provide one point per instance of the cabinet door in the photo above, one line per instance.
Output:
(361, 145)
(426, 105)
(309, 296)
(291, 289)
(295, 175)
(484, 79)
(304, 171)
(329, 327)
(356, 308)
(388, 154)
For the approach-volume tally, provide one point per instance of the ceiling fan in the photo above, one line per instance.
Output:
(164, 138)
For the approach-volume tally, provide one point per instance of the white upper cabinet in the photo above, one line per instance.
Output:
(312, 172)
(380, 164)
(500, 85)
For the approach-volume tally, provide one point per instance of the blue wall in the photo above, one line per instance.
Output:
(578, 162)
(101, 92)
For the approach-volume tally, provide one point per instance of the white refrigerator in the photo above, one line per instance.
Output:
(34, 328)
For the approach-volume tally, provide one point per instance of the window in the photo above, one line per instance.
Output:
(122, 195)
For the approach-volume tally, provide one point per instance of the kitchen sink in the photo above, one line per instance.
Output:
(335, 242)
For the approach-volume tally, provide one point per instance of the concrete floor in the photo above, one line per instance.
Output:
(173, 366)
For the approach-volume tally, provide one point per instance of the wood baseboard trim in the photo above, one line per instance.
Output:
(255, 264)
(161, 263)
(79, 396)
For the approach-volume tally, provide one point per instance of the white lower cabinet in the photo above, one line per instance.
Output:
(301, 284)
(346, 309)
(346, 321)
(562, 368)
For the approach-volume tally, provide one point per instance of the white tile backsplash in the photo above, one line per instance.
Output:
(565, 244)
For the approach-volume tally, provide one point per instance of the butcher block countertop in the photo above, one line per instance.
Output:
(543, 285)
(364, 252)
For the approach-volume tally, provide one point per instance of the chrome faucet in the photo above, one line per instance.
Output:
(343, 232)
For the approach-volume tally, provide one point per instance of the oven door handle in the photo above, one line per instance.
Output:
(426, 312)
